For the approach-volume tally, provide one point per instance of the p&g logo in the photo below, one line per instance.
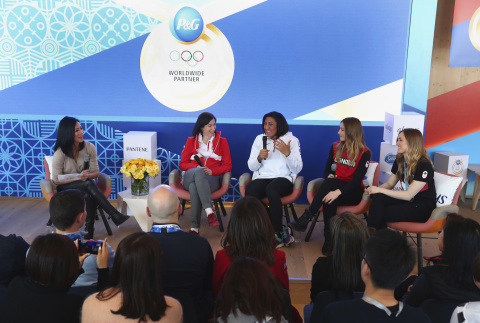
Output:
(186, 25)
(390, 158)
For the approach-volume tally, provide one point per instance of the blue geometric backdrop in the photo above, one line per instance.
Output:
(37, 37)
(25, 143)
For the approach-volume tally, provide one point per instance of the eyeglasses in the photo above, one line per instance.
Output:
(364, 256)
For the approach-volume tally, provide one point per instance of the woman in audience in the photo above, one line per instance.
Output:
(275, 161)
(249, 234)
(52, 266)
(469, 312)
(450, 279)
(414, 169)
(250, 293)
(341, 271)
(136, 292)
(13, 250)
(346, 167)
(202, 177)
(73, 155)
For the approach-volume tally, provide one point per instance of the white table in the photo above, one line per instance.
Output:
(129, 204)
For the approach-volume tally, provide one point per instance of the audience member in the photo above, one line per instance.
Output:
(135, 292)
(469, 312)
(187, 258)
(249, 234)
(387, 261)
(250, 293)
(52, 266)
(450, 279)
(13, 251)
(68, 214)
(339, 273)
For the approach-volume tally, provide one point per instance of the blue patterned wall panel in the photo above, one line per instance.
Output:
(37, 37)
(25, 143)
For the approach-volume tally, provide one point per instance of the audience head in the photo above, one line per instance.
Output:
(163, 205)
(203, 119)
(137, 274)
(53, 260)
(251, 288)
(460, 243)
(281, 124)
(66, 136)
(389, 259)
(67, 208)
(250, 232)
(349, 235)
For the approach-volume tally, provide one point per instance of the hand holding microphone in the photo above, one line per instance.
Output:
(199, 162)
(333, 170)
(263, 152)
(86, 168)
(207, 171)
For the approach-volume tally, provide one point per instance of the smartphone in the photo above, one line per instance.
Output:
(89, 246)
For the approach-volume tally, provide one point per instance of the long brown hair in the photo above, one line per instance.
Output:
(251, 288)
(349, 235)
(137, 275)
(414, 153)
(250, 232)
(354, 142)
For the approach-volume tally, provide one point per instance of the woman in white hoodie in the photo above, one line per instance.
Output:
(275, 161)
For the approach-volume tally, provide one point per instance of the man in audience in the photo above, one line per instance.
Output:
(13, 251)
(387, 261)
(187, 264)
(68, 214)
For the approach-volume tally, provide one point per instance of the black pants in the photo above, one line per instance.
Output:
(88, 188)
(385, 209)
(330, 210)
(274, 189)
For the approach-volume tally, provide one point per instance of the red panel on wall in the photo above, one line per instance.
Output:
(464, 10)
(453, 115)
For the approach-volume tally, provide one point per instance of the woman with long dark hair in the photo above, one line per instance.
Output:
(249, 234)
(275, 161)
(200, 181)
(414, 169)
(450, 279)
(72, 155)
(350, 158)
(250, 293)
(52, 265)
(341, 270)
(135, 292)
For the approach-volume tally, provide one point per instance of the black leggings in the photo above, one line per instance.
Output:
(274, 189)
(330, 210)
(385, 209)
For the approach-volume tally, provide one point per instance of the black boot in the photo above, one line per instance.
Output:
(91, 207)
(117, 217)
(302, 223)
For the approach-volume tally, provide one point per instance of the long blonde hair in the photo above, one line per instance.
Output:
(354, 142)
(412, 156)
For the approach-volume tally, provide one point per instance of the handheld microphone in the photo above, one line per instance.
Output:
(264, 143)
(199, 162)
(86, 162)
(333, 169)
(365, 182)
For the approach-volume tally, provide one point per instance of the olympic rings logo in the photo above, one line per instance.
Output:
(186, 56)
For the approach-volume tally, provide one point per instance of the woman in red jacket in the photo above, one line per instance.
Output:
(203, 177)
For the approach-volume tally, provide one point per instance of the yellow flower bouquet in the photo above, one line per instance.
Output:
(140, 170)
